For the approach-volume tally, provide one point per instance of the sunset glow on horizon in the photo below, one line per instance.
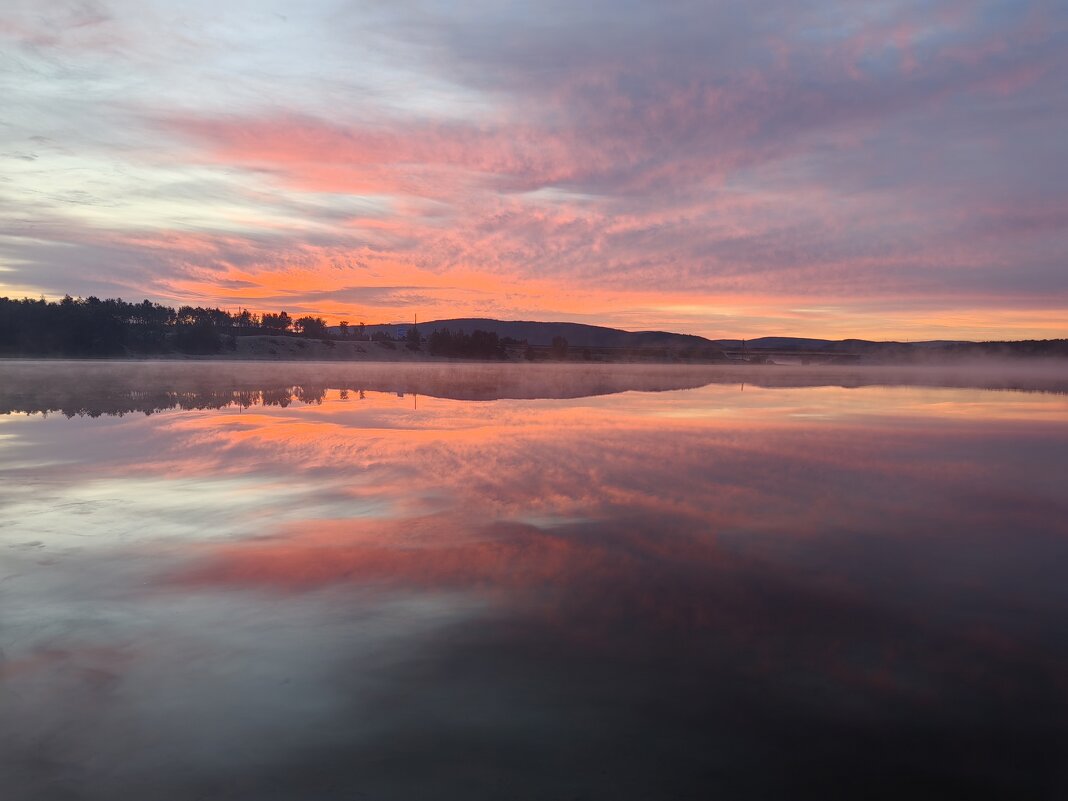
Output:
(877, 170)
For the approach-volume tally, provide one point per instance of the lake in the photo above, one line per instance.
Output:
(298, 581)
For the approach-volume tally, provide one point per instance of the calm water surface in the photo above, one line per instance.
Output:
(306, 582)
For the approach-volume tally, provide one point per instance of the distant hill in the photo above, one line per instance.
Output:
(95, 328)
(599, 336)
(541, 334)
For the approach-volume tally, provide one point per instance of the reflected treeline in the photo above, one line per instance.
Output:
(81, 403)
(117, 388)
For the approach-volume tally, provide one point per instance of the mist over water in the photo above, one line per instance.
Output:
(235, 581)
(113, 387)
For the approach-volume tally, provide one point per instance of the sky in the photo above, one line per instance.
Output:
(887, 170)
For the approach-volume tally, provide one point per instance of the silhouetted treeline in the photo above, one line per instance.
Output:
(953, 351)
(476, 345)
(926, 352)
(94, 327)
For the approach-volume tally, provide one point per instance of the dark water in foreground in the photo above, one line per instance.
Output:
(327, 590)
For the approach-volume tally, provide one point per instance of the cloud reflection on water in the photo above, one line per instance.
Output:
(636, 594)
